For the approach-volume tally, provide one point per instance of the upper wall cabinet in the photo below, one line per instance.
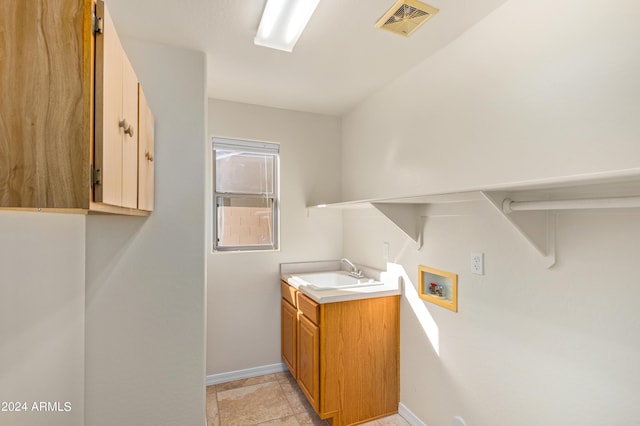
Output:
(145, 153)
(71, 112)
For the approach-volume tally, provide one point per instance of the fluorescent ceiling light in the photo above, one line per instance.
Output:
(283, 22)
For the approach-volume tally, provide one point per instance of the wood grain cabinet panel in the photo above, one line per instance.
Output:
(289, 332)
(309, 360)
(360, 358)
(146, 153)
(309, 308)
(45, 103)
(116, 118)
(130, 140)
(57, 72)
(289, 293)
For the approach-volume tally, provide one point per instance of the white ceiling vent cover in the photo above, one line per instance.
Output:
(406, 16)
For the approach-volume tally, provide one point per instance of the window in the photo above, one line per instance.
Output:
(246, 195)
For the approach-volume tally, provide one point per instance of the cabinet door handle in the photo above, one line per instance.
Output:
(148, 156)
(128, 128)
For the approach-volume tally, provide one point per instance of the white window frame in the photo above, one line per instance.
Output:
(254, 148)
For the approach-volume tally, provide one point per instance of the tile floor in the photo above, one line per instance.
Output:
(270, 400)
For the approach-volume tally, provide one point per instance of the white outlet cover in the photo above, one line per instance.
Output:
(477, 263)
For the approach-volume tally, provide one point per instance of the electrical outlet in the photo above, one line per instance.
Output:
(385, 251)
(477, 263)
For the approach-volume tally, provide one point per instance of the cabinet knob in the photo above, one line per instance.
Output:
(148, 156)
(128, 128)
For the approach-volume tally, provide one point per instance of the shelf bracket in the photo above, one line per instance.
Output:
(405, 216)
(537, 227)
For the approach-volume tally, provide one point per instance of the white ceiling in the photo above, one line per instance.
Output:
(340, 59)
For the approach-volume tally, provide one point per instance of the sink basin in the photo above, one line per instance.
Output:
(330, 281)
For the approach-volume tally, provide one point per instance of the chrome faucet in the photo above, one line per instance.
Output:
(355, 272)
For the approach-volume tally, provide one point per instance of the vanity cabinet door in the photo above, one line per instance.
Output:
(289, 334)
(308, 360)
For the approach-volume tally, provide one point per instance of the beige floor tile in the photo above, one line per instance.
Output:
(213, 418)
(298, 402)
(253, 404)
(286, 421)
(395, 420)
(295, 397)
(310, 419)
(246, 382)
(285, 376)
(270, 400)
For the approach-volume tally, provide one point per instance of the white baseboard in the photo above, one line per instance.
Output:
(408, 415)
(230, 376)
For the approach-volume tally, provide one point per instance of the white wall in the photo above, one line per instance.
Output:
(42, 316)
(538, 89)
(528, 346)
(145, 277)
(243, 318)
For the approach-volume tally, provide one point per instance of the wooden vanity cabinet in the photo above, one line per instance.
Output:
(347, 355)
(69, 111)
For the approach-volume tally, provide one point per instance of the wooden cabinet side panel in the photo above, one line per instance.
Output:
(44, 135)
(108, 109)
(309, 360)
(146, 153)
(289, 338)
(67, 151)
(331, 366)
(360, 356)
(89, 87)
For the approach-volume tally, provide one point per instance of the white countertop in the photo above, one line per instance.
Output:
(390, 284)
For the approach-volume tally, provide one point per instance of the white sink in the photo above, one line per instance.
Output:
(330, 281)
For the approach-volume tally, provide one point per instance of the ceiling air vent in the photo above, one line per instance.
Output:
(406, 16)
